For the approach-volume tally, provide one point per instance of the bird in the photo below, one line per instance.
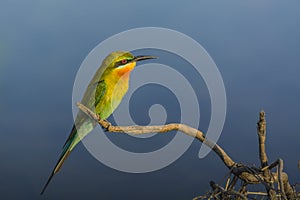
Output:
(103, 95)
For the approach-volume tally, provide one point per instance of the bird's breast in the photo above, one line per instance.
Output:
(115, 91)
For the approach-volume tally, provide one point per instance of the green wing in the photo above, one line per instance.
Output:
(92, 97)
(100, 92)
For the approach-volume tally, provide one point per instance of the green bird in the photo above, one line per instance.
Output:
(103, 95)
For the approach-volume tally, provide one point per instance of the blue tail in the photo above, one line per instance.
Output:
(65, 153)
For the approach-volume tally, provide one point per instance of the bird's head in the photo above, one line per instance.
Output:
(121, 62)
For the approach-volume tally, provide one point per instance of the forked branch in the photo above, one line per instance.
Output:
(249, 175)
(160, 129)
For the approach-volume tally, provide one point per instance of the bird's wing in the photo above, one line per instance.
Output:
(100, 91)
(92, 97)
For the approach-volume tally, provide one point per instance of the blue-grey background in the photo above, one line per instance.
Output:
(255, 45)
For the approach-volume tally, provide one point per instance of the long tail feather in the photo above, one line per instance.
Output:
(59, 163)
(71, 142)
(71, 136)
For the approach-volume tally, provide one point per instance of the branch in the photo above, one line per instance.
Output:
(280, 177)
(160, 129)
(261, 131)
(248, 175)
(226, 193)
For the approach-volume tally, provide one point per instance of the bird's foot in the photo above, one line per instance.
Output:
(106, 124)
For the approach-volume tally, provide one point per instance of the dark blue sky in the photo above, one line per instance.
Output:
(255, 45)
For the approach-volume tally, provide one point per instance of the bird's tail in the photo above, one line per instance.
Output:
(65, 153)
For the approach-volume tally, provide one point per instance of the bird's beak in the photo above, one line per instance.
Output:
(139, 58)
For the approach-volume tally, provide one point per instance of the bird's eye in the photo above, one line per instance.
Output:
(124, 61)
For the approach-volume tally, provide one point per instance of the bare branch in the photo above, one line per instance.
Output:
(161, 129)
(250, 175)
(261, 131)
(280, 181)
(226, 193)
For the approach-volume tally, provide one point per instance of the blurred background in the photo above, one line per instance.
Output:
(255, 45)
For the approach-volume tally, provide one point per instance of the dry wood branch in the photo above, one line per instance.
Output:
(261, 131)
(288, 189)
(249, 175)
(226, 193)
(280, 181)
(271, 166)
(227, 160)
(161, 129)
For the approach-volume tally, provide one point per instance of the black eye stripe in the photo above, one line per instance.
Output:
(119, 63)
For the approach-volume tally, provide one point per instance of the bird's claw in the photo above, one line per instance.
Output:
(107, 125)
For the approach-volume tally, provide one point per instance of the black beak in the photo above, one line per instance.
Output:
(139, 58)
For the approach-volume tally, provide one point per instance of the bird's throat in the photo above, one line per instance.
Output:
(125, 70)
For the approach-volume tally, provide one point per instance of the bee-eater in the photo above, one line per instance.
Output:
(103, 95)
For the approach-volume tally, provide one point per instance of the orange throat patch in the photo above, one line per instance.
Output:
(126, 69)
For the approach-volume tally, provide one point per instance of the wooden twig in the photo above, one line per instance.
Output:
(227, 193)
(233, 182)
(271, 166)
(227, 160)
(261, 131)
(247, 174)
(161, 129)
(280, 181)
